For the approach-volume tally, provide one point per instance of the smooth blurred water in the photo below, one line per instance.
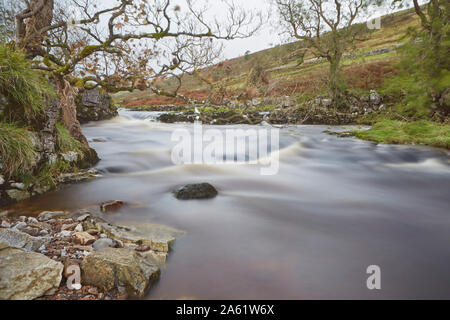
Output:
(335, 207)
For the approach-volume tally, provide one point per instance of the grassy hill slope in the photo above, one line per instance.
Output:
(285, 76)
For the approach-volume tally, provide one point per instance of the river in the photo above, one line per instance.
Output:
(336, 206)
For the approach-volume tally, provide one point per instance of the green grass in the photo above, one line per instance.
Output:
(49, 172)
(398, 132)
(23, 86)
(16, 150)
(65, 142)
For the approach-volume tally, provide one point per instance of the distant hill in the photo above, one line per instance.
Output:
(280, 74)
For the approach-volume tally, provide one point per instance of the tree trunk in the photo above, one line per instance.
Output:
(67, 95)
(30, 23)
(334, 84)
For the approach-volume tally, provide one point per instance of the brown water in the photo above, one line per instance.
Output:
(336, 207)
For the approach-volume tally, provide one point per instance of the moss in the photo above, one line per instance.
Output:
(63, 69)
(418, 132)
(88, 50)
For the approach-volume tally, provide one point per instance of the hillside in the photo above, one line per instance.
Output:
(374, 61)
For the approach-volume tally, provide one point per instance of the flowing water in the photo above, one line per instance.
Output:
(336, 207)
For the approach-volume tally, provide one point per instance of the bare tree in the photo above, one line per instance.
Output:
(122, 44)
(328, 29)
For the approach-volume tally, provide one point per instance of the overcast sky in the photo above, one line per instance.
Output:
(267, 37)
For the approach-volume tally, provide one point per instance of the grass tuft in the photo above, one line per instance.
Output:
(418, 132)
(65, 142)
(16, 150)
(23, 86)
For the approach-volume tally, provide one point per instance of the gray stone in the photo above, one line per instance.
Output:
(18, 195)
(71, 156)
(17, 239)
(6, 224)
(91, 98)
(83, 217)
(20, 225)
(41, 189)
(27, 275)
(65, 234)
(47, 215)
(32, 220)
(2, 179)
(196, 192)
(375, 98)
(18, 185)
(156, 238)
(103, 243)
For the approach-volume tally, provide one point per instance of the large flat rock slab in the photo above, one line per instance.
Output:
(158, 237)
(26, 275)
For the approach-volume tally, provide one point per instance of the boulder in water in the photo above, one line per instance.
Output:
(196, 192)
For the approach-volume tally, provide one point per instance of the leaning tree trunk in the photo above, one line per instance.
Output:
(67, 95)
(30, 25)
(31, 22)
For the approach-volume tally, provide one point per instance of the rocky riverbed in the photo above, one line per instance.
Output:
(41, 257)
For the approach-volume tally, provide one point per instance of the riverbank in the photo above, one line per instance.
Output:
(78, 256)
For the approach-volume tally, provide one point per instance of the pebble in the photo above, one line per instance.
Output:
(6, 224)
(103, 243)
(103, 236)
(23, 218)
(83, 217)
(20, 225)
(79, 228)
(33, 220)
(43, 232)
(65, 234)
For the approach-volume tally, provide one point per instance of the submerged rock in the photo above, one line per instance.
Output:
(111, 268)
(111, 205)
(196, 191)
(156, 239)
(47, 215)
(27, 275)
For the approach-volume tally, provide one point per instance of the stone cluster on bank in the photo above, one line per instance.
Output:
(285, 110)
(39, 255)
